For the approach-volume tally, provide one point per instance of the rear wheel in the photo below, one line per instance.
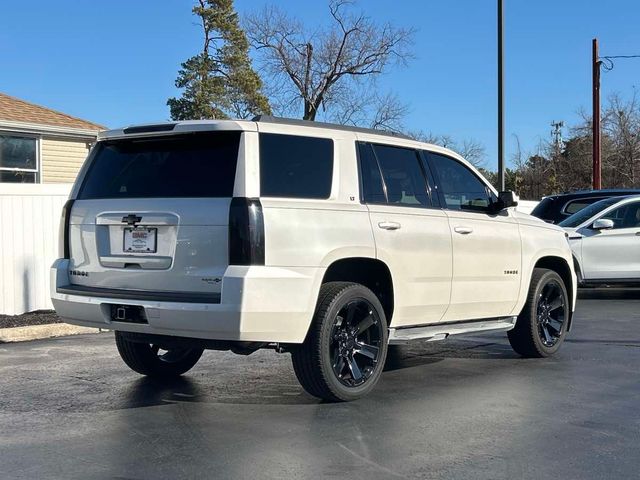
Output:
(542, 324)
(344, 353)
(151, 360)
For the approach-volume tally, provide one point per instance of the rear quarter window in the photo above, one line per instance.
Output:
(293, 166)
(577, 205)
(194, 165)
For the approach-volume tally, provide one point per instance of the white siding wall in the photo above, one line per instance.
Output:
(61, 159)
(29, 219)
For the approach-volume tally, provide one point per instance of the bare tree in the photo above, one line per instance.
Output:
(621, 130)
(620, 146)
(310, 69)
(374, 110)
(471, 150)
(552, 170)
(445, 141)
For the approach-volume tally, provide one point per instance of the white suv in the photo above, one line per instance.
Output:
(324, 241)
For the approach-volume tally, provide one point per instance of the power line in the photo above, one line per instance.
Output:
(607, 62)
(621, 56)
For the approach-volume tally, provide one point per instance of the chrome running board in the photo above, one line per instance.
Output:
(440, 331)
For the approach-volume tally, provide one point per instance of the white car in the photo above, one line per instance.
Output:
(324, 241)
(605, 239)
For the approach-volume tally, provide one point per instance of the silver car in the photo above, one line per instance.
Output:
(605, 240)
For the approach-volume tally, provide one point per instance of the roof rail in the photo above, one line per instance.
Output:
(333, 126)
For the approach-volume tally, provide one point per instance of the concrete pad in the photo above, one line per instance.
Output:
(36, 332)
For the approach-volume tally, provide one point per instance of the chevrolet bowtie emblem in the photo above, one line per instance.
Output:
(131, 219)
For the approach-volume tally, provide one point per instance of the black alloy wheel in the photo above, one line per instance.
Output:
(542, 325)
(343, 355)
(551, 313)
(355, 345)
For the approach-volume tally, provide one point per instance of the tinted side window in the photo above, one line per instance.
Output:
(461, 188)
(626, 216)
(577, 205)
(372, 187)
(403, 176)
(295, 167)
(197, 165)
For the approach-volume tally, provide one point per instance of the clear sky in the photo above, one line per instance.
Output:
(114, 62)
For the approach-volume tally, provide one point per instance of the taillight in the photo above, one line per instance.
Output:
(246, 232)
(63, 232)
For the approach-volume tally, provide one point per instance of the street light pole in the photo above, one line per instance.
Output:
(500, 95)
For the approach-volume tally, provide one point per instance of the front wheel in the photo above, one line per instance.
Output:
(344, 353)
(151, 360)
(542, 324)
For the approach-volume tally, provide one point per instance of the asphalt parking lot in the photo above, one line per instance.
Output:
(470, 408)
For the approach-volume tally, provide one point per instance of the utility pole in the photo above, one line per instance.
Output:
(597, 168)
(500, 95)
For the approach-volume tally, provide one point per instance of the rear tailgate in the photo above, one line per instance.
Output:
(152, 214)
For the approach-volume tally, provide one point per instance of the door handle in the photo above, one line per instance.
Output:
(463, 230)
(389, 225)
(637, 234)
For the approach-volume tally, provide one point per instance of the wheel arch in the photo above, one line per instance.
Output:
(370, 272)
(562, 268)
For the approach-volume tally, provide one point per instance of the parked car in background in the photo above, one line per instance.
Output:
(605, 240)
(325, 241)
(526, 206)
(556, 208)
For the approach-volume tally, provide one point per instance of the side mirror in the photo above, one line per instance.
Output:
(602, 224)
(505, 200)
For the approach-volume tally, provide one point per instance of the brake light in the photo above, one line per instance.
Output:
(246, 232)
(63, 231)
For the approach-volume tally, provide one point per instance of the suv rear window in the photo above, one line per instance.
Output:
(577, 205)
(292, 166)
(193, 165)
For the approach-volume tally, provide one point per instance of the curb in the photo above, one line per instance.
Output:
(36, 332)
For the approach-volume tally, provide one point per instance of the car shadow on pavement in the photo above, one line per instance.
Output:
(399, 357)
(147, 392)
(273, 389)
(419, 354)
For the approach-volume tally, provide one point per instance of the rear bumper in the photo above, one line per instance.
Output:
(257, 304)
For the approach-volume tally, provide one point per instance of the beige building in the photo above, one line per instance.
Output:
(40, 145)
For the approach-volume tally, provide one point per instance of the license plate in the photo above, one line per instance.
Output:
(140, 240)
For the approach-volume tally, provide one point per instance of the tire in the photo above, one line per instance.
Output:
(547, 309)
(349, 328)
(147, 360)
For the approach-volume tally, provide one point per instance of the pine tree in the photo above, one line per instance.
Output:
(219, 82)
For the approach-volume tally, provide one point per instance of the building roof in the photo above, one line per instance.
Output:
(15, 110)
